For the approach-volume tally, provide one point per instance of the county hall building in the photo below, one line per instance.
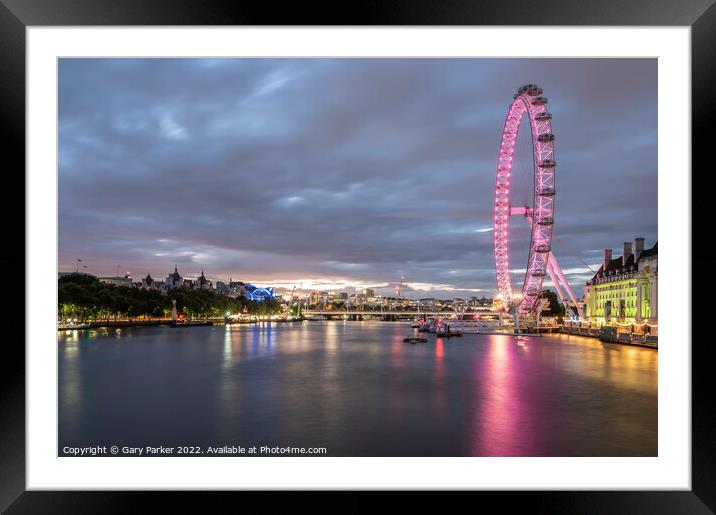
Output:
(624, 290)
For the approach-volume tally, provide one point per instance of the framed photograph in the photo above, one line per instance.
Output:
(417, 249)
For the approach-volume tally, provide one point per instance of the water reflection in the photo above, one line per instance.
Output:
(244, 342)
(228, 346)
(440, 390)
(70, 389)
(497, 427)
(357, 389)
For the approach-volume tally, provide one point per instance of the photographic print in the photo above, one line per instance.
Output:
(359, 257)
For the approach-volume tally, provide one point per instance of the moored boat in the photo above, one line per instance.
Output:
(190, 323)
(415, 339)
(317, 317)
(69, 326)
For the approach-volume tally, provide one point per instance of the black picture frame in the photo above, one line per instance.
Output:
(16, 15)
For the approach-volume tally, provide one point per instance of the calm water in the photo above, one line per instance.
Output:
(356, 389)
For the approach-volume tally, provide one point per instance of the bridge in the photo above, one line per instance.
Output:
(388, 315)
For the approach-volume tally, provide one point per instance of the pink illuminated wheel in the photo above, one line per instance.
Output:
(527, 101)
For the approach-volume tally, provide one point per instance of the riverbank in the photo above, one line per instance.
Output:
(112, 323)
(610, 335)
(160, 322)
(604, 334)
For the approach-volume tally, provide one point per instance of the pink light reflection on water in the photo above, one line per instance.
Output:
(439, 389)
(499, 425)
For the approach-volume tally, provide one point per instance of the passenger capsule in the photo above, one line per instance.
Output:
(544, 138)
(547, 163)
(534, 90)
(539, 101)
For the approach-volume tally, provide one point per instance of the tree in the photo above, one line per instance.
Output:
(84, 297)
(556, 308)
(76, 278)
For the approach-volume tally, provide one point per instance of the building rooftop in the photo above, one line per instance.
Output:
(615, 265)
(653, 251)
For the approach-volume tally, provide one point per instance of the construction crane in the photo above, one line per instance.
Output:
(399, 285)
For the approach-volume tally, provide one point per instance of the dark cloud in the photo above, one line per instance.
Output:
(354, 170)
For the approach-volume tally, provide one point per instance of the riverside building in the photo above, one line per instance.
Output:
(625, 289)
(117, 280)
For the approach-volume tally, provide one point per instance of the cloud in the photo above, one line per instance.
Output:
(350, 171)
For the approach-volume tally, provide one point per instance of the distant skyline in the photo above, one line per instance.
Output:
(342, 174)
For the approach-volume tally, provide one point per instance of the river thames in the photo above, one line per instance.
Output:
(355, 389)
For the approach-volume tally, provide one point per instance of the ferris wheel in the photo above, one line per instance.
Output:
(529, 102)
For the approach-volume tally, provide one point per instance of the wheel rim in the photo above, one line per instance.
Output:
(528, 101)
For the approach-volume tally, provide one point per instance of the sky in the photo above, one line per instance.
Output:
(343, 174)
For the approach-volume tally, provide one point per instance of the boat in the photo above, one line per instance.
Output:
(479, 325)
(190, 323)
(443, 328)
(443, 332)
(420, 323)
(415, 339)
(316, 317)
(69, 326)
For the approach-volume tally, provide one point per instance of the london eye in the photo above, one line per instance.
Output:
(538, 212)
